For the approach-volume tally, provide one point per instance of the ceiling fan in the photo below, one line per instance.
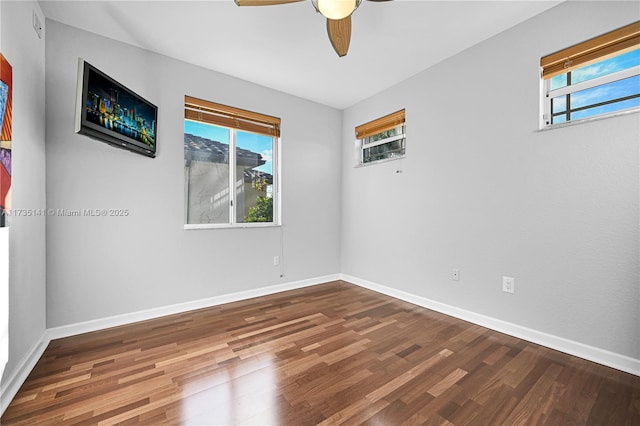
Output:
(337, 12)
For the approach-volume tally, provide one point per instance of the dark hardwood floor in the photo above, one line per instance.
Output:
(329, 354)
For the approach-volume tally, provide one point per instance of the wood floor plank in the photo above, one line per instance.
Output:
(447, 382)
(329, 354)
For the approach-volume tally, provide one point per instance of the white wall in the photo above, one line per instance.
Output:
(100, 267)
(26, 53)
(483, 190)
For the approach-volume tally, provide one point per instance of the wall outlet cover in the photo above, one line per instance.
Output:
(508, 284)
(455, 274)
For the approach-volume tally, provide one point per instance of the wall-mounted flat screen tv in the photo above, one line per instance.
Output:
(108, 111)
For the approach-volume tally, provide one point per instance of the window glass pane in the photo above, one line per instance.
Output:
(559, 119)
(206, 169)
(604, 109)
(558, 81)
(558, 104)
(254, 177)
(383, 135)
(391, 149)
(608, 66)
(606, 92)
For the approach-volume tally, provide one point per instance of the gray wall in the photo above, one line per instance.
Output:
(27, 274)
(483, 190)
(99, 267)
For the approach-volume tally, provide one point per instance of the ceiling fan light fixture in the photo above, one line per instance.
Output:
(336, 9)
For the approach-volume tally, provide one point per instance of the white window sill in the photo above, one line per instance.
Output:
(386, 160)
(193, 226)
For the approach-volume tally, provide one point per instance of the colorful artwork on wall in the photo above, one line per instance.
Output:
(6, 83)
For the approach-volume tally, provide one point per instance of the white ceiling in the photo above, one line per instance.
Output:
(286, 47)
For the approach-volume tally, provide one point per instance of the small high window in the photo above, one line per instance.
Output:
(230, 166)
(381, 139)
(598, 77)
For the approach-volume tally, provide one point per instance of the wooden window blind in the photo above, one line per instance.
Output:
(596, 49)
(226, 116)
(380, 125)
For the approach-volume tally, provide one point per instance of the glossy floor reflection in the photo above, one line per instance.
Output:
(244, 395)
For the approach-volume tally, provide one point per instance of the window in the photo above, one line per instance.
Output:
(230, 166)
(381, 139)
(595, 78)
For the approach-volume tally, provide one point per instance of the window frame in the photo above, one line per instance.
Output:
(565, 61)
(368, 130)
(242, 118)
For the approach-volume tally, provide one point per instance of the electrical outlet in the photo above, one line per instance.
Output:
(508, 284)
(455, 274)
(276, 260)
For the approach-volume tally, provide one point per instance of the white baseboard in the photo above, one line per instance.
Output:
(117, 320)
(591, 353)
(10, 387)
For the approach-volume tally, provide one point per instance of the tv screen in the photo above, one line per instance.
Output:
(108, 111)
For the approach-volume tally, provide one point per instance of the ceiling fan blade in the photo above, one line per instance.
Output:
(263, 2)
(339, 31)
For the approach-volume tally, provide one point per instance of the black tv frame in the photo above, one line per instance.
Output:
(114, 132)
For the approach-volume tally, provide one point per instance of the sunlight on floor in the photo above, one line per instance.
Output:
(243, 392)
